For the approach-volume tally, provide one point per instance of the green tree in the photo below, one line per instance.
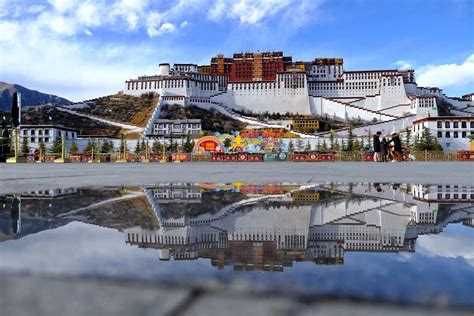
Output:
(369, 140)
(356, 145)
(57, 145)
(318, 145)
(25, 149)
(74, 148)
(350, 139)
(188, 145)
(89, 146)
(308, 146)
(172, 146)
(143, 145)
(331, 138)
(343, 146)
(106, 147)
(157, 147)
(324, 146)
(426, 141)
(137, 147)
(408, 136)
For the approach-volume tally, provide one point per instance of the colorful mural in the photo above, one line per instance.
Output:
(231, 143)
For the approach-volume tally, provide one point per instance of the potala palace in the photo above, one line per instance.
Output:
(270, 81)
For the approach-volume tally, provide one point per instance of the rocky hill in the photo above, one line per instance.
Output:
(85, 126)
(28, 97)
(121, 108)
(118, 108)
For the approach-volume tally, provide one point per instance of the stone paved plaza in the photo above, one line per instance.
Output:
(24, 177)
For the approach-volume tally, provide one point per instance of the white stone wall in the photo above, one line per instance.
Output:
(450, 138)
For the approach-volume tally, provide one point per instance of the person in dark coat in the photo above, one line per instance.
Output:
(384, 147)
(377, 146)
(397, 147)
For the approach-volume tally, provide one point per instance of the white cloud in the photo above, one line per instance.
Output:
(34, 9)
(447, 75)
(254, 12)
(8, 30)
(166, 28)
(154, 20)
(446, 244)
(184, 24)
(217, 10)
(130, 11)
(88, 14)
(62, 5)
(404, 64)
(62, 25)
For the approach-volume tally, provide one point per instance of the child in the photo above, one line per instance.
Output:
(384, 147)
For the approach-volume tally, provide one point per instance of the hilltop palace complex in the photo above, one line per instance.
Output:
(270, 81)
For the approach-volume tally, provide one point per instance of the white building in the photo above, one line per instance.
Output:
(36, 134)
(451, 131)
(164, 130)
(321, 87)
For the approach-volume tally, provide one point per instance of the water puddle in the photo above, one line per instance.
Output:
(388, 242)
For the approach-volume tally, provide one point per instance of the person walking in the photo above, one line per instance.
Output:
(377, 146)
(397, 147)
(384, 147)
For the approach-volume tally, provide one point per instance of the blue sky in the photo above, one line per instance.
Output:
(81, 49)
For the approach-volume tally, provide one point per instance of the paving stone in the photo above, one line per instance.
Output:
(236, 305)
(363, 309)
(34, 295)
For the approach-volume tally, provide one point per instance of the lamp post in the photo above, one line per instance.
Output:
(163, 156)
(97, 160)
(123, 136)
(176, 158)
(16, 147)
(147, 153)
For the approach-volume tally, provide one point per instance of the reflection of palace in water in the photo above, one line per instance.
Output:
(250, 226)
(269, 228)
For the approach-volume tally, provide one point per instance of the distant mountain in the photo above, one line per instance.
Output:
(28, 97)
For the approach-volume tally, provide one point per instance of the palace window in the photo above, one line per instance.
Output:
(448, 135)
(447, 124)
(440, 134)
(464, 134)
(455, 135)
(463, 124)
(440, 124)
(455, 124)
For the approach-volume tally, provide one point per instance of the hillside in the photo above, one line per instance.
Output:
(122, 108)
(86, 126)
(28, 97)
(212, 121)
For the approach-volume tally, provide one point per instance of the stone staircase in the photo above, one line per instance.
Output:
(156, 112)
